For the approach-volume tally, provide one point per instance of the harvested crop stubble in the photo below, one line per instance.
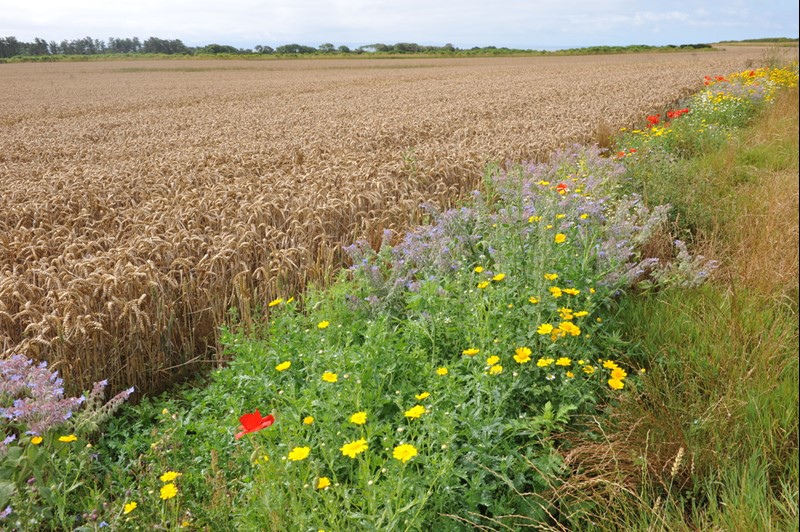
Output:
(139, 201)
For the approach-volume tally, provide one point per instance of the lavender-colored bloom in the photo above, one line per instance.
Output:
(5, 513)
(37, 396)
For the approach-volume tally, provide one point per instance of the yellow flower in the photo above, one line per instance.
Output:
(560, 216)
(68, 439)
(36, 440)
(551, 276)
(128, 508)
(555, 291)
(308, 420)
(588, 369)
(499, 277)
(442, 371)
(610, 364)
(522, 355)
(422, 396)
(275, 302)
(478, 269)
(544, 362)
(533, 300)
(359, 418)
(580, 314)
(592, 290)
(283, 366)
(565, 313)
(330, 377)
(323, 324)
(616, 384)
(483, 284)
(353, 448)
(583, 216)
(545, 328)
(169, 476)
(290, 299)
(558, 333)
(496, 369)
(492, 360)
(571, 291)
(415, 412)
(404, 452)
(570, 375)
(618, 374)
(543, 183)
(299, 453)
(534, 219)
(570, 328)
(471, 351)
(560, 238)
(563, 361)
(262, 460)
(168, 491)
(323, 483)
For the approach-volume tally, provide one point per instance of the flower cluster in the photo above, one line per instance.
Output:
(32, 401)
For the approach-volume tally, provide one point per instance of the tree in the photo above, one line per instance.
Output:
(295, 49)
(218, 49)
(38, 47)
(406, 47)
(327, 48)
(9, 47)
(264, 49)
(154, 45)
(344, 49)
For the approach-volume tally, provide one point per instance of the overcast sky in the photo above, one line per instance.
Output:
(534, 24)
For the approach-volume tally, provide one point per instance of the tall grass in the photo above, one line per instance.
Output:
(722, 360)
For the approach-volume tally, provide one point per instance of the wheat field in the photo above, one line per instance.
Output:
(141, 200)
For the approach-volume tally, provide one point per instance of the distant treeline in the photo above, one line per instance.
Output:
(87, 46)
(767, 40)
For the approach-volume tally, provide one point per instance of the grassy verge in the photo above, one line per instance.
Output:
(487, 370)
(710, 439)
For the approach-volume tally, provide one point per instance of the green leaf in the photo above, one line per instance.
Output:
(7, 490)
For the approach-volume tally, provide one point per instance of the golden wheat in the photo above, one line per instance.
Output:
(142, 200)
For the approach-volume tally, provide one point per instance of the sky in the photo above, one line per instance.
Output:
(533, 24)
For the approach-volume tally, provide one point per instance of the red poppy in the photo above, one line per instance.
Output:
(632, 150)
(654, 119)
(562, 188)
(620, 154)
(254, 422)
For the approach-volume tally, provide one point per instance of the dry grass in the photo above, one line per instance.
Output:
(766, 248)
(718, 394)
(140, 201)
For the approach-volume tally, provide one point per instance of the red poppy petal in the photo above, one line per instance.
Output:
(251, 420)
(266, 421)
